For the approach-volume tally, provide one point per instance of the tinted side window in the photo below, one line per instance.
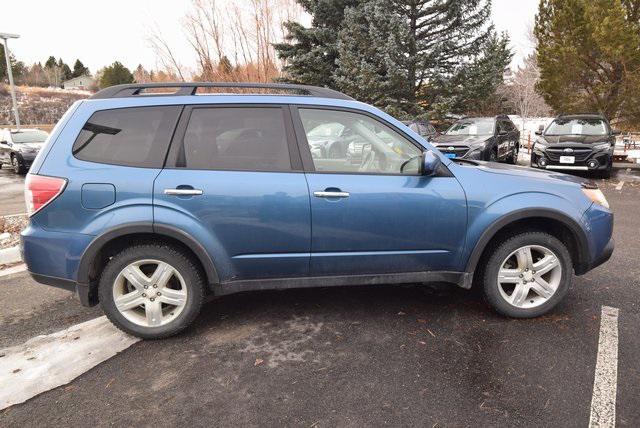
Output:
(137, 136)
(237, 138)
(362, 145)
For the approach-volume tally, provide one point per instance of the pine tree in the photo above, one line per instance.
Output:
(410, 55)
(310, 54)
(79, 69)
(51, 62)
(589, 57)
(64, 69)
(115, 74)
(17, 67)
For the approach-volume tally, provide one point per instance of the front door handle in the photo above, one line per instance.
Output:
(332, 194)
(183, 192)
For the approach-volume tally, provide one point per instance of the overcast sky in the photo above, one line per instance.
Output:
(102, 31)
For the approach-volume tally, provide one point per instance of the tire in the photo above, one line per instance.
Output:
(532, 304)
(606, 174)
(513, 159)
(18, 167)
(185, 285)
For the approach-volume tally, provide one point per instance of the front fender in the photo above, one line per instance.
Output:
(484, 226)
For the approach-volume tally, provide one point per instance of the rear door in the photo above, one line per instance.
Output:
(234, 182)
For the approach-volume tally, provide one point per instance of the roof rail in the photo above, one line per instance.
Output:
(182, 88)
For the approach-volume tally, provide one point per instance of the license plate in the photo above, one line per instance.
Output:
(567, 159)
(450, 155)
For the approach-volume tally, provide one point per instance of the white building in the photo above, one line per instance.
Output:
(83, 82)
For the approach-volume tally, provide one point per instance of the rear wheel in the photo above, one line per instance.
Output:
(151, 291)
(527, 275)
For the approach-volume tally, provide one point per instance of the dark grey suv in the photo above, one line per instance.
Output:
(481, 138)
(19, 148)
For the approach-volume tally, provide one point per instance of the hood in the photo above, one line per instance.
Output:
(460, 140)
(575, 139)
(526, 172)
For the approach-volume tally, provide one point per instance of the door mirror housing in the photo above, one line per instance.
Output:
(616, 132)
(538, 132)
(429, 163)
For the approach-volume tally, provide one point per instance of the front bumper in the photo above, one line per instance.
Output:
(596, 161)
(605, 255)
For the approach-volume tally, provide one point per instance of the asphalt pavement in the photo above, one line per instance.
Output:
(359, 356)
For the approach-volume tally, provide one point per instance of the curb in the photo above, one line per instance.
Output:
(10, 255)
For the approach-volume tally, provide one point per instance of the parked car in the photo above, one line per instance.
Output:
(148, 204)
(18, 148)
(422, 128)
(493, 139)
(582, 142)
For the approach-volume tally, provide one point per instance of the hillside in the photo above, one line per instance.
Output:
(37, 105)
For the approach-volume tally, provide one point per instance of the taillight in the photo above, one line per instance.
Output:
(39, 190)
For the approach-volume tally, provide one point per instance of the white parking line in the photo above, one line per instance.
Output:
(619, 186)
(46, 362)
(603, 403)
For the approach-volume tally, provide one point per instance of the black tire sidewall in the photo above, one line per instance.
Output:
(491, 291)
(182, 263)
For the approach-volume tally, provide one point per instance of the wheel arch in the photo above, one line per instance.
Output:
(546, 220)
(98, 250)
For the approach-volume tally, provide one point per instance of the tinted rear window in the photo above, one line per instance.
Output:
(137, 136)
(237, 138)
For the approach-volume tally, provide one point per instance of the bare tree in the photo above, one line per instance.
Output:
(520, 90)
(232, 41)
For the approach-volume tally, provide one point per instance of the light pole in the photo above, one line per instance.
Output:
(7, 54)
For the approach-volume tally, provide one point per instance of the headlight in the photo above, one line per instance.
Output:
(538, 145)
(596, 196)
(603, 146)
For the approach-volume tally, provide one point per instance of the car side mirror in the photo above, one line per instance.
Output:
(429, 163)
(539, 132)
(616, 132)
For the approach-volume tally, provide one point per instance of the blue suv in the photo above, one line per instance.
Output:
(149, 199)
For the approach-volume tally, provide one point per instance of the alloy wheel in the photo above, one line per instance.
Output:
(529, 276)
(150, 293)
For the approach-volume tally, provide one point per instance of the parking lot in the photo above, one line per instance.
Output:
(386, 355)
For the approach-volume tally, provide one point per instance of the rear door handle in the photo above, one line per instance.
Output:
(183, 192)
(331, 194)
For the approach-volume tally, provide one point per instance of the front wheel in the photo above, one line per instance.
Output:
(17, 165)
(151, 291)
(527, 275)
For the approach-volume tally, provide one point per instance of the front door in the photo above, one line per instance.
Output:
(371, 211)
(230, 183)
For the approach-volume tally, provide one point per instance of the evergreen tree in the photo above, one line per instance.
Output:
(51, 62)
(310, 54)
(589, 57)
(64, 70)
(371, 62)
(17, 67)
(79, 69)
(115, 74)
(410, 55)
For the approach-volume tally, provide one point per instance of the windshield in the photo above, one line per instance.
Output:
(29, 136)
(577, 127)
(472, 127)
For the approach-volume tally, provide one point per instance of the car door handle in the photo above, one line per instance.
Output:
(331, 194)
(183, 192)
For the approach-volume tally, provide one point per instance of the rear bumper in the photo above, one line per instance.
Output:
(81, 291)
